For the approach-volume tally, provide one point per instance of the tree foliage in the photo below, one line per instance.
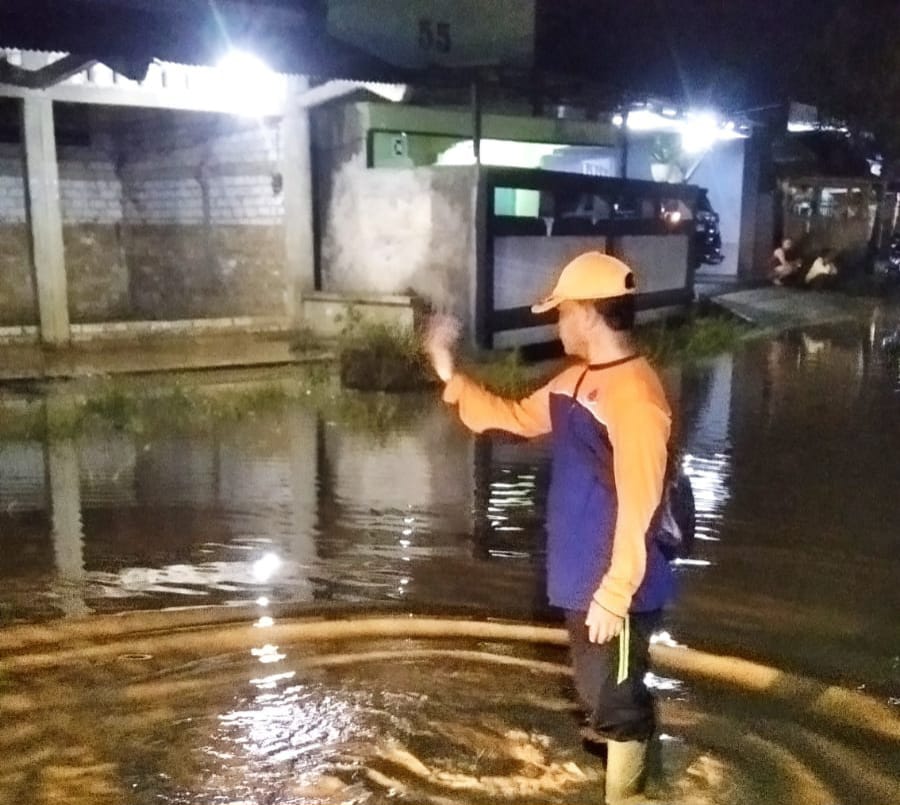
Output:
(853, 70)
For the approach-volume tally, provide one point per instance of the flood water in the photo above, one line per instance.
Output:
(793, 447)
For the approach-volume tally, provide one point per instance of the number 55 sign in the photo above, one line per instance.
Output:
(448, 33)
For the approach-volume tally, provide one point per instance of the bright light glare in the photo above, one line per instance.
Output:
(700, 132)
(247, 80)
(648, 120)
(391, 92)
(265, 566)
(505, 153)
(673, 217)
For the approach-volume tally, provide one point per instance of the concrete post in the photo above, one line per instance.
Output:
(748, 258)
(296, 173)
(302, 436)
(45, 219)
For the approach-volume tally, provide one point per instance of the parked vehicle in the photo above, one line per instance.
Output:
(707, 237)
(893, 264)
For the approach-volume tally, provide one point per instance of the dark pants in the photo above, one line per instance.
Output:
(617, 710)
(823, 282)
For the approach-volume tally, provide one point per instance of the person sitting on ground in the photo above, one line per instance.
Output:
(823, 272)
(785, 264)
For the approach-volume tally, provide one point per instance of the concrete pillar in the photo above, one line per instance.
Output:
(296, 173)
(748, 259)
(45, 219)
(302, 445)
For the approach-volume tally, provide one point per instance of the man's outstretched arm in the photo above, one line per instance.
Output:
(479, 409)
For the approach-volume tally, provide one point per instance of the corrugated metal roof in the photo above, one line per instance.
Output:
(127, 35)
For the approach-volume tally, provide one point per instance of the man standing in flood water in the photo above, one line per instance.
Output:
(610, 426)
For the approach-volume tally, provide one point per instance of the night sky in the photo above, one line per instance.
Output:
(733, 53)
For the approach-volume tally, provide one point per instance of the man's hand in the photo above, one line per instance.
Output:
(602, 624)
(441, 335)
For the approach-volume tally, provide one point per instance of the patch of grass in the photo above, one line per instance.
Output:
(682, 340)
(133, 407)
(506, 374)
(379, 358)
(691, 339)
(115, 406)
(23, 421)
(306, 341)
(382, 357)
(375, 415)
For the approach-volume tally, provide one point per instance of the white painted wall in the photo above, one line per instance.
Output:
(395, 231)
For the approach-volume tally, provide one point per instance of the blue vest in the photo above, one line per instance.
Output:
(581, 514)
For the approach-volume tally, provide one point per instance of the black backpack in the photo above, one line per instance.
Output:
(674, 524)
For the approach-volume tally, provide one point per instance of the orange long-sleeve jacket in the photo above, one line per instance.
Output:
(610, 426)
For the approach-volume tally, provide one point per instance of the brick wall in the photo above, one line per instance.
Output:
(17, 303)
(203, 218)
(91, 202)
(165, 215)
(233, 270)
(219, 200)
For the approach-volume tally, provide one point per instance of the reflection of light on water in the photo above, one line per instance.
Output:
(264, 622)
(665, 639)
(506, 497)
(709, 478)
(282, 726)
(262, 601)
(664, 683)
(268, 654)
(265, 566)
(405, 542)
(270, 682)
(691, 562)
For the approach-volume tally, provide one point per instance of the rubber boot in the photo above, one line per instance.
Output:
(626, 770)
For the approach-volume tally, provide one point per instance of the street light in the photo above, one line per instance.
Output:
(255, 89)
